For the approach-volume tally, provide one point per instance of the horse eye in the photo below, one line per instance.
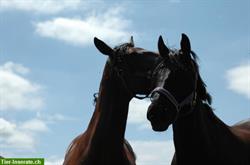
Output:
(154, 96)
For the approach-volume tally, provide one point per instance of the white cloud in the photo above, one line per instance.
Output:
(12, 137)
(6, 128)
(153, 152)
(34, 125)
(52, 118)
(138, 113)
(109, 26)
(12, 67)
(239, 79)
(20, 136)
(59, 117)
(16, 91)
(20, 140)
(40, 6)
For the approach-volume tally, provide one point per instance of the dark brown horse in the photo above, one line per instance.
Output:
(127, 73)
(181, 99)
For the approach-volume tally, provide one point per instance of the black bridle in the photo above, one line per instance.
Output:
(189, 100)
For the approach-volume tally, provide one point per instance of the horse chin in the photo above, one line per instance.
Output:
(159, 127)
(141, 91)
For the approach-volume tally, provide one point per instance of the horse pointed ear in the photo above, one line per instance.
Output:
(163, 49)
(185, 46)
(132, 41)
(103, 47)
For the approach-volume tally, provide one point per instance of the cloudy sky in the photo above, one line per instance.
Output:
(49, 67)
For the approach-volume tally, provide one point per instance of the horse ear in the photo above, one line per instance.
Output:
(132, 41)
(185, 46)
(163, 49)
(103, 47)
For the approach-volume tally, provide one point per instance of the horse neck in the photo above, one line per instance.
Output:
(201, 135)
(107, 126)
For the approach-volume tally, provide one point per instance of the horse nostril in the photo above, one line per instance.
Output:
(150, 113)
(150, 116)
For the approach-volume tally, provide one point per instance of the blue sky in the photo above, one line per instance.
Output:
(50, 68)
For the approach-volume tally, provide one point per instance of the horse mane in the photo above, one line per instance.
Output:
(201, 86)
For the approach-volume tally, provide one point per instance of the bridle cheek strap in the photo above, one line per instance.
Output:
(187, 101)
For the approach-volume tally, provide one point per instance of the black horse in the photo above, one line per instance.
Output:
(181, 99)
